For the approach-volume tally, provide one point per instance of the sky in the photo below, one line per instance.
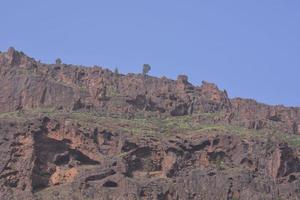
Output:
(251, 48)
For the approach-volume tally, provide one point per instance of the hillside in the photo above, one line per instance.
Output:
(73, 132)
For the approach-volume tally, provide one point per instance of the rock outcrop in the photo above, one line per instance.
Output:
(28, 84)
(49, 159)
(72, 132)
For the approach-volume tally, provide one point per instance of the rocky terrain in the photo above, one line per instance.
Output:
(73, 132)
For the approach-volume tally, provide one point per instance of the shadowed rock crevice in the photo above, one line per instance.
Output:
(100, 176)
(110, 184)
(51, 153)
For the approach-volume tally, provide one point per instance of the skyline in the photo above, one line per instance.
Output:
(248, 48)
(140, 72)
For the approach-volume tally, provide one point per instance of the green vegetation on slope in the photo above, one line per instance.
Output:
(159, 127)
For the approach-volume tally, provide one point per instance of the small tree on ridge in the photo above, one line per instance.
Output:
(58, 61)
(146, 69)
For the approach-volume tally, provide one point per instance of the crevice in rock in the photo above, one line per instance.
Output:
(100, 176)
(110, 184)
(201, 146)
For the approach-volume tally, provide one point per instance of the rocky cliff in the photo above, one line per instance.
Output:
(72, 132)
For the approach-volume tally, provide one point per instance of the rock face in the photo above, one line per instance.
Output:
(28, 84)
(52, 155)
(49, 159)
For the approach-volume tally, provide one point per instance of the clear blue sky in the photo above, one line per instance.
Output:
(251, 48)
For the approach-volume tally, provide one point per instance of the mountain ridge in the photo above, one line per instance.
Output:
(71, 87)
(77, 133)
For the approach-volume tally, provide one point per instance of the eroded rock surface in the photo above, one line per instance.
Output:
(210, 155)
(43, 159)
(28, 84)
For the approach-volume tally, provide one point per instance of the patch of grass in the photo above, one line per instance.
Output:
(122, 154)
(111, 91)
(292, 140)
(11, 115)
(220, 164)
(28, 114)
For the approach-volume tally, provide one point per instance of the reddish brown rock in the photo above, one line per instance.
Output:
(72, 154)
(48, 159)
